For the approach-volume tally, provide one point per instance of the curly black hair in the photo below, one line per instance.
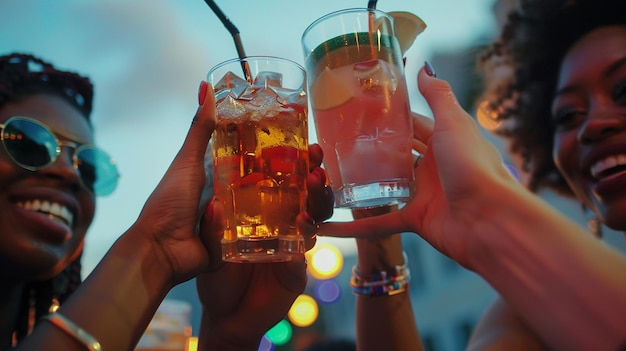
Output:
(521, 68)
(23, 75)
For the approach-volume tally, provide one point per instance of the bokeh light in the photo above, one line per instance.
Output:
(327, 291)
(192, 344)
(304, 311)
(325, 261)
(487, 117)
(280, 334)
(265, 344)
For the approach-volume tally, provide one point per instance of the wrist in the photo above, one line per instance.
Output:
(138, 243)
(516, 228)
(125, 289)
(381, 253)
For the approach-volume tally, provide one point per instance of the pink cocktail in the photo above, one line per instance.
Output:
(360, 107)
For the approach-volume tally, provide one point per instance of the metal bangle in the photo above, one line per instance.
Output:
(71, 329)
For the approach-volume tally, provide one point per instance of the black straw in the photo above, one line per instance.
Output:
(232, 29)
(371, 4)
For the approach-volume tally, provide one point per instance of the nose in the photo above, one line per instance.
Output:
(63, 169)
(601, 122)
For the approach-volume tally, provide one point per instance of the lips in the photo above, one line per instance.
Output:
(54, 210)
(609, 166)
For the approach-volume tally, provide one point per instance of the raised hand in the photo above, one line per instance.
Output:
(241, 301)
(459, 171)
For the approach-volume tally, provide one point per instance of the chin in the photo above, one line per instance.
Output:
(614, 217)
(30, 268)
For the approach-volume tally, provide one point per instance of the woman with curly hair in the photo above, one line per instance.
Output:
(557, 81)
(50, 174)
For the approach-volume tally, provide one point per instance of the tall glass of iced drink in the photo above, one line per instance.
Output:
(360, 106)
(260, 156)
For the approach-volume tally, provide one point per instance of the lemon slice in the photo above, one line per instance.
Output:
(329, 91)
(408, 26)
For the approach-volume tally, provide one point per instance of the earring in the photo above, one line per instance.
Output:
(595, 226)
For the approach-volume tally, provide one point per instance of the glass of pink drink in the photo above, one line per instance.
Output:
(360, 107)
(260, 157)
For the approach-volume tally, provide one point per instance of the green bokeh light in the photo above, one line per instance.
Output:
(281, 333)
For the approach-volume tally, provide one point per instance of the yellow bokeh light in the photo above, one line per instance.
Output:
(304, 311)
(325, 261)
(192, 344)
(487, 117)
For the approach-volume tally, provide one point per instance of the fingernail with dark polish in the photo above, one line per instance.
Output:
(202, 92)
(429, 69)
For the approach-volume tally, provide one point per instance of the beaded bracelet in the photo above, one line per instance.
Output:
(61, 322)
(383, 283)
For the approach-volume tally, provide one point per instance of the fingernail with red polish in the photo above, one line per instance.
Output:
(429, 69)
(202, 92)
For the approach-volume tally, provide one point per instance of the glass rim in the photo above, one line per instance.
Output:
(341, 12)
(255, 58)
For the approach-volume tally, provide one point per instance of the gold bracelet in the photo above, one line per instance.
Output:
(73, 330)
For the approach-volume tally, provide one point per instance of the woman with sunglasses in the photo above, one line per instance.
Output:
(559, 78)
(50, 174)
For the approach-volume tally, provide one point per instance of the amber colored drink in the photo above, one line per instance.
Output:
(260, 154)
(362, 116)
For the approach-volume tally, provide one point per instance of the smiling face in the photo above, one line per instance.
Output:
(44, 214)
(589, 112)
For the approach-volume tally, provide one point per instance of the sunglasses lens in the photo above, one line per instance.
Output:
(29, 144)
(97, 170)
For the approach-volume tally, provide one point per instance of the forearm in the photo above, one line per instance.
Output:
(114, 304)
(383, 322)
(568, 286)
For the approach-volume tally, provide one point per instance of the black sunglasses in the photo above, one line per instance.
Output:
(33, 146)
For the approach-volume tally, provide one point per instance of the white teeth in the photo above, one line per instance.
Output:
(607, 163)
(55, 209)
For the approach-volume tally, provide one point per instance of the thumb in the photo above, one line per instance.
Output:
(447, 111)
(202, 125)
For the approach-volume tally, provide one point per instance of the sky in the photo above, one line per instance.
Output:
(146, 59)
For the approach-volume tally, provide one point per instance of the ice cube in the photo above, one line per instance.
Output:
(264, 104)
(375, 77)
(233, 83)
(288, 96)
(268, 79)
(229, 107)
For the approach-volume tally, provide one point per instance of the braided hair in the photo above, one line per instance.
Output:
(22, 75)
(521, 70)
